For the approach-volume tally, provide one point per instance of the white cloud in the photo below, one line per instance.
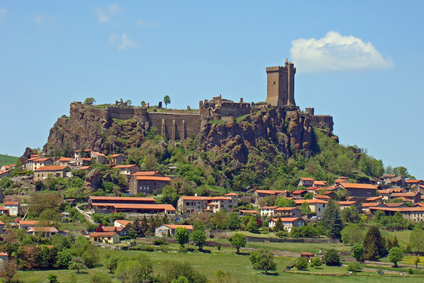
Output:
(104, 14)
(3, 13)
(126, 42)
(335, 52)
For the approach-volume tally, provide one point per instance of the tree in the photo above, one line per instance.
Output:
(395, 255)
(10, 271)
(301, 264)
(171, 270)
(112, 263)
(374, 244)
(143, 103)
(332, 258)
(238, 241)
(89, 101)
(316, 262)
(252, 225)
(358, 252)
(199, 238)
(352, 234)
(128, 102)
(305, 208)
(99, 277)
(77, 263)
(416, 240)
(134, 271)
(222, 277)
(263, 259)
(52, 278)
(167, 100)
(278, 225)
(182, 236)
(350, 215)
(354, 266)
(332, 220)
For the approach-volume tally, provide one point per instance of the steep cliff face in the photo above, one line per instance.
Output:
(87, 127)
(287, 132)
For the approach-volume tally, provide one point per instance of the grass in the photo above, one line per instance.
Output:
(402, 236)
(238, 266)
(7, 159)
(216, 121)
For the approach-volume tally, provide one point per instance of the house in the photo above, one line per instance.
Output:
(387, 177)
(212, 204)
(411, 197)
(4, 210)
(366, 207)
(13, 207)
(374, 199)
(134, 208)
(360, 190)
(263, 193)
(122, 231)
(299, 194)
(36, 161)
(148, 182)
(7, 167)
(415, 214)
(398, 182)
(54, 171)
(95, 200)
(1, 227)
(122, 223)
(116, 159)
(25, 224)
(341, 180)
(64, 161)
(82, 153)
(243, 212)
(320, 183)
(414, 183)
(307, 255)
(4, 259)
(4, 173)
(348, 204)
(317, 206)
(288, 223)
(128, 170)
(42, 231)
(98, 157)
(288, 212)
(306, 182)
(169, 229)
(81, 162)
(267, 211)
(233, 196)
(105, 237)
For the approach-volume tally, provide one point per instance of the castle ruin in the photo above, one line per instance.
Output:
(280, 85)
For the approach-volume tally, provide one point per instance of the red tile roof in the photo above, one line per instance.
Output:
(189, 227)
(146, 173)
(122, 199)
(306, 179)
(102, 234)
(309, 201)
(28, 222)
(359, 186)
(43, 229)
(51, 168)
(126, 166)
(124, 222)
(286, 219)
(153, 178)
(231, 194)
(64, 159)
(11, 203)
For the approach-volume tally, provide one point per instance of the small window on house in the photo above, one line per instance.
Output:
(274, 82)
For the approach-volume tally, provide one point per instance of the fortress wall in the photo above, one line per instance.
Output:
(235, 109)
(322, 121)
(121, 112)
(175, 126)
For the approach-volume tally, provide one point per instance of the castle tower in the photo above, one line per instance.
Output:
(280, 85)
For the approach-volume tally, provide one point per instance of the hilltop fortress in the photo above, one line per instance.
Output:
(88, 121)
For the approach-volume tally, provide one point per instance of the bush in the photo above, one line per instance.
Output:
(354, 266)
(332, 258)
(158, 242)
(316, 261)
(282, 234)
(182, 250)
(301, 264)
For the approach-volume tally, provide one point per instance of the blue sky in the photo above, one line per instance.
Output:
(360, 61)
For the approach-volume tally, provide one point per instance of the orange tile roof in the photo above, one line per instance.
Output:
(1, 223)
(146, 173)
(269, 192)
(124, 222)
(112, 229)
(285, 208)
(102, 234)
(372, 199)
(192, 198)
(172, 226)
(248, 211)
(322, 197)
(320, 183)
(413, 181)
(63, 159)
(3, 254)
(309, 201)
(85, 158)
(98, 153)
(125, 166)
(84, 167)
(403, 194)
(306, 179)
(142, 206)
(400, 209)
(153, 178)
(359, 186)
(312, 188)
(43, 229)
(346, 202)
(269, 207)
(370, 204)
(231, 194)
(122, 198)
(28, 222)
(11, 203)
(394, 204)
(298, 192)
(2, 208)
(285, 219)
(51, 168)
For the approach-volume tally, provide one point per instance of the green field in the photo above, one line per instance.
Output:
(238, 266)
(7, 159)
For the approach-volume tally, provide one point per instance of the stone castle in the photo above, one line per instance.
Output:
(179, 124)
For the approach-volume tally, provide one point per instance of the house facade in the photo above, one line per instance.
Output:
(169, 229)
(288, 223)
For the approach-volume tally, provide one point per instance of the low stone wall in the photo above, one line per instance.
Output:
(303, 240)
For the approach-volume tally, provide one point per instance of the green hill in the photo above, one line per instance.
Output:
(7, 159)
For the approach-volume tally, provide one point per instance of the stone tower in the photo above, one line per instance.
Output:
(280, 85)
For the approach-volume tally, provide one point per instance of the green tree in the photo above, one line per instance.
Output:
(350, 215)
(167, 100)
(316, 262)
(305, 208)
(416, 240)
(332, 221)
(182, 236)
(284, 202)
(374, 244)
(301, 264)
(112, 263)
(171, 270)
(395, 255)
(52, 278)
(278, 225)
(199, 238)
(263, 259)
(238, 241)
(143, 103)
(99, 277)
(332, 258)
(89, 101)
(354, 266)
(358, 252)
(77, 263)
(352, 234)
(222, 277)
(129, 102)
(133, 271)
(252, 225)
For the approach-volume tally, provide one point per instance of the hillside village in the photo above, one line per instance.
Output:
(105, 198)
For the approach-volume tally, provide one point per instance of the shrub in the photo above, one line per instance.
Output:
(182, 250)
(332, 258)
(316, 261)
(301, 264)
(354, 266)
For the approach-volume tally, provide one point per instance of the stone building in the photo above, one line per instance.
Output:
(280, 85)
(54, 171)
(148, 182)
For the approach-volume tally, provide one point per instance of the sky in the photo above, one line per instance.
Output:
(359, 61)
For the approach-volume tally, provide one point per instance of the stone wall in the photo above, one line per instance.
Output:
(175, 126)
